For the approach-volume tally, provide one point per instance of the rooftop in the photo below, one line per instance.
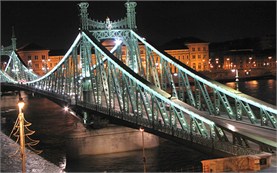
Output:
(30, 47)
(180, 43)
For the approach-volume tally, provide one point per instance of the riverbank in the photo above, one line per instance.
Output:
(34, 163)
(247, 78)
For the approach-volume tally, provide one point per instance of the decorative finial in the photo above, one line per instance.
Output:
(13, 34)
(13, 39)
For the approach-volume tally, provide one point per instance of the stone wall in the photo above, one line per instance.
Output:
(111, 140)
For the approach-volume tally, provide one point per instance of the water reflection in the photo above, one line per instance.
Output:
(55, 129)
(264, 90)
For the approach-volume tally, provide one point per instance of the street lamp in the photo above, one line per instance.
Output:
(143, 153)
(22, 134)
(237, 74)
(237, 77)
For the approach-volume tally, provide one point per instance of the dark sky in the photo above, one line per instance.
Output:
(55, 24)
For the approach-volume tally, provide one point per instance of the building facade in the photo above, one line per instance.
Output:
(35, 57)
(190, 51)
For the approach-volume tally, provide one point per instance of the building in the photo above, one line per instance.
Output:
(191, 51)
(35, 56)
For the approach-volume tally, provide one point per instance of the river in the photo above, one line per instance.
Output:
(54, 128)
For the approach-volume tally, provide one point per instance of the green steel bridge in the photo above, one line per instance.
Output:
(191, 109)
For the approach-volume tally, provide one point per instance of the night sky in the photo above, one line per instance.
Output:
(54, 25)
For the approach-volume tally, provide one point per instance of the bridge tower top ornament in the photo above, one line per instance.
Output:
(128, 22)
(84, 14)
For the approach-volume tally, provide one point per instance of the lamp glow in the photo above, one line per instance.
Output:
(21, 103)
(66, 108)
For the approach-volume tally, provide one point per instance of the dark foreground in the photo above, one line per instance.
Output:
(34, 162)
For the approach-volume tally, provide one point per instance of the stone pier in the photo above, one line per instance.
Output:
(108, 140)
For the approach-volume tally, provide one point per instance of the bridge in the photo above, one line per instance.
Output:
(132, 84)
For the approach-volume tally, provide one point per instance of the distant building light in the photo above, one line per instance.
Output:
(270, 57)
(118, 41)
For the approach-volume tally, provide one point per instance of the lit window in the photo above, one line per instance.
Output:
(199, 56)
(43, 57)
(199, 66)
(205, 66)
(194, 66)
(193, 56)
(36, 57)
(193, 49)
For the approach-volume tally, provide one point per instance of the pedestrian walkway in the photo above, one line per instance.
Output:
(34, 163)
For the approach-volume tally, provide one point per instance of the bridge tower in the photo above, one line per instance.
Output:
(131, 14)
(84, 15)
(103, 30)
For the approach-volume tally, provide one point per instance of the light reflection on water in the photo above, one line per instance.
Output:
(54, 128)
(264, 90)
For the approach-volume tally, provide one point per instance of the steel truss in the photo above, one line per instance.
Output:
(109, 86)
(134, 82)
(203, 93)
(16, 69)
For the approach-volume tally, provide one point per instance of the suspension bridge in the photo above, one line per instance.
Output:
(126, 85)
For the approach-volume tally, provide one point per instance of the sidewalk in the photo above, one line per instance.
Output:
(34, 163)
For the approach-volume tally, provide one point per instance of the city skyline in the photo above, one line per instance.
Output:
(158, 21)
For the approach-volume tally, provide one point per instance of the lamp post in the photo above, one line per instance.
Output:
(237, 77)
(143, 153)
(22, 134)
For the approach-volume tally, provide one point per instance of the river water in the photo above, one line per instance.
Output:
(55, 128)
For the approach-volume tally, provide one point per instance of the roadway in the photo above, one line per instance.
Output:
(257, 134)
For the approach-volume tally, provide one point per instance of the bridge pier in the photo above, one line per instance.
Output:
(111, 139)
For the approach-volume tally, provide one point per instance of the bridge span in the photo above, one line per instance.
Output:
(130, 88)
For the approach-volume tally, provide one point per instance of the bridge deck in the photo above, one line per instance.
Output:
(257, 134)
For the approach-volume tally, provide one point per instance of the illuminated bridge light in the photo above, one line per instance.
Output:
(66, 108)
